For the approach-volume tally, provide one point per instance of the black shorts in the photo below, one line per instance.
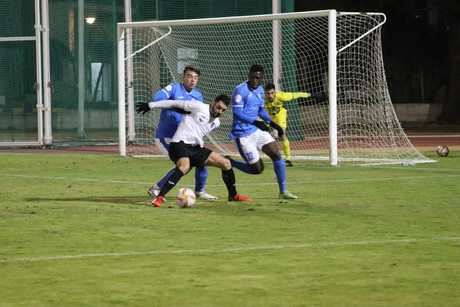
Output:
(197, 155)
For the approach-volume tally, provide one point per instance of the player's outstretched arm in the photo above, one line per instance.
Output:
(289, 96)
(185, 106)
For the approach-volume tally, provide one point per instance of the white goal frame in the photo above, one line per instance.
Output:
(126, 121)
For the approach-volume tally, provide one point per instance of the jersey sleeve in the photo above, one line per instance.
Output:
(186, 105)
(163, 94)
(288, 96)
(264, 114)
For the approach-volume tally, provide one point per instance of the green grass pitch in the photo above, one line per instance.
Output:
(75, 230)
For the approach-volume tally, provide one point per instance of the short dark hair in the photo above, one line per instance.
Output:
(192, 68)
(224, 98)
(256, 68)
(269, 86)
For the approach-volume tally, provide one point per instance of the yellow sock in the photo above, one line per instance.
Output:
(286, 149)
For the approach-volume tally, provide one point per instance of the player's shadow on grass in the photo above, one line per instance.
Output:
(125, 200)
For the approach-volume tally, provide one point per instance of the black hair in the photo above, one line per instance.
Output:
(192, 68)
(256, 68)
(224, 98)
(269, 86)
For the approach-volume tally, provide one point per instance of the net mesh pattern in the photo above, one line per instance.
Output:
(367, 126)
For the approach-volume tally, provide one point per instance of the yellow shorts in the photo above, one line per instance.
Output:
(280, 118)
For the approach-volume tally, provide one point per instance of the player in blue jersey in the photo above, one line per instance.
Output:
(251, 124)
(169, 121)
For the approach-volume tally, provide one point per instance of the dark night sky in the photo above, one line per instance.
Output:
(421, 47)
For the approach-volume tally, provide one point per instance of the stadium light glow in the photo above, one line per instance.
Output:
(90, 20)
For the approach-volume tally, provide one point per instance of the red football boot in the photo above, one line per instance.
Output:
(158, 201)
(240, 197)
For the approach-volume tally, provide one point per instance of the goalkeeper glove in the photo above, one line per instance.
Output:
(315, 98)
(277, 128)
(142, 107)
(261, 125)
(319, 96)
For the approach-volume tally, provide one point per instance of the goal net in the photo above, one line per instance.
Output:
(339, 54)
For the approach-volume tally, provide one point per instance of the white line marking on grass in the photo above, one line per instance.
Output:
(75, 179)
(228, 250)
(343, 180)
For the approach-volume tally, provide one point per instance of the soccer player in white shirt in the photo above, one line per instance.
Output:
(186, 146)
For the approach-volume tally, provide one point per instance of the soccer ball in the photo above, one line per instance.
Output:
(185, 198)
(442, 151)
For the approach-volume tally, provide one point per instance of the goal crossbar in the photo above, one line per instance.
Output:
(237, 19)
(221, 20)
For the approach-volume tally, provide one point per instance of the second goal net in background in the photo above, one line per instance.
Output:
(339, 54)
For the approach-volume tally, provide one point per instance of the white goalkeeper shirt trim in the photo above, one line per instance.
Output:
(194, 126)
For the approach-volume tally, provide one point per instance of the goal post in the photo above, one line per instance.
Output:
(122, 102)
(332, 86)
(337, 53)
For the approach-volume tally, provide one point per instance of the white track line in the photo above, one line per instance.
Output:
(338, 180)
(229, 250)
(433, 136)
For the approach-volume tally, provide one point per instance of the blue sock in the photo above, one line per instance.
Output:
(280, 171)
(164, 179)
(201, 175)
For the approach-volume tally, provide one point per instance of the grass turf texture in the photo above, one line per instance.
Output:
(75, 231)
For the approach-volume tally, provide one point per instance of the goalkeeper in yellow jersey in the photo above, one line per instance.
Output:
(274, 103)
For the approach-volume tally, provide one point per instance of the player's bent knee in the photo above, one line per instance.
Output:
(219, 161)
(184, 169)
(271, 150)
(226, 165)
(183, 165)
(257, 168)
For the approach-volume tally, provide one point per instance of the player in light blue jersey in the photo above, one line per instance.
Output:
(250, 125)
(169, 121)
